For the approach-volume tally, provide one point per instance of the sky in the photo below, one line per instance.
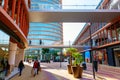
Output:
(71, 30)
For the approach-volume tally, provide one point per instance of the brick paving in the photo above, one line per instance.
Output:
(52, 71)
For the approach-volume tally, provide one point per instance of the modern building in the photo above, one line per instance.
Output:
(14, 27)
(103, 38)
(50, 33)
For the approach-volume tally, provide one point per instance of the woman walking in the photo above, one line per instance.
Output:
(20, 67)
(35, 67)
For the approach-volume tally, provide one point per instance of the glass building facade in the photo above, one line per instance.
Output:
(48, 33)
(44, 33)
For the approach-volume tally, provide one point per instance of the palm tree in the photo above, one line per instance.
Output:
(69, 52)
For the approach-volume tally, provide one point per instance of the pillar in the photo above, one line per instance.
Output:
(110, 56)
(6, 5)
(19, 56)
(18, 11)
(13, 9)
(12, 53)
(17, 59)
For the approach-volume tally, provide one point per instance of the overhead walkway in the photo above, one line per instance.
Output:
(58, 46)
(73, 15)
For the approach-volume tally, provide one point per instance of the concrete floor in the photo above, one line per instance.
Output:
(52, 71)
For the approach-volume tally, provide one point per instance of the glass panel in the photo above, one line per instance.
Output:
(4, 48)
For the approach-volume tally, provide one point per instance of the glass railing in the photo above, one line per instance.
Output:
(59, 7)
(68, 7)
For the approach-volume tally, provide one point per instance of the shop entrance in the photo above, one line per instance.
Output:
(117, 59)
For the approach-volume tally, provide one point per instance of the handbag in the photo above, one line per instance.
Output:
(39, 68)
(32, 71)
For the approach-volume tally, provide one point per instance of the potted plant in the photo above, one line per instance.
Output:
(69, 52)
(76, 68)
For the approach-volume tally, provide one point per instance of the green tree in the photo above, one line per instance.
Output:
(78, 58)
(70, 51)
(45, 51)
(54, 53)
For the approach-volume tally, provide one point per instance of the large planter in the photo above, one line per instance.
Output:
(69, 67)
(77, 71)
(81, 71)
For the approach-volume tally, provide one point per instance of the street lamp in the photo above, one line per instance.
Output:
(60, 54)
(91, 51)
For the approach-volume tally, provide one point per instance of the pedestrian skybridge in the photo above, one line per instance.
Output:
(77, 13)
(59, 46)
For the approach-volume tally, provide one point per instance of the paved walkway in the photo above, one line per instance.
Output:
(52, 71)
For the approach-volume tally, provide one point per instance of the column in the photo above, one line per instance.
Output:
(12, 53)
(19, 56)
(13, 9)
(21, 15)
(18, 11)
(110, 56)
(6, 5)
(17, 59)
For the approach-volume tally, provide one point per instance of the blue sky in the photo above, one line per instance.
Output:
(71, 30)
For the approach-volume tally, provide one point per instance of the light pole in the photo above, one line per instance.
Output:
(60, 54)
(91, 47)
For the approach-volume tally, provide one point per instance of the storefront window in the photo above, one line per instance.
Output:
(87, 56)
(4, 44)
(118, 31)
(100, 56)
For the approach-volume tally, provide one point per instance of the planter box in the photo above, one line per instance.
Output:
(77, 71)
(69, 67)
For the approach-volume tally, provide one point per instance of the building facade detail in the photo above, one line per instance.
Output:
(14, 25)
(104, 37)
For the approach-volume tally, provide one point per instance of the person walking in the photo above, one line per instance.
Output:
(35, 67)
(95, 63)
(20, 67)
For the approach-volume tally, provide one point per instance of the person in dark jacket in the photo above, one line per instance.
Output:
(20, 67)
(95, 62)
